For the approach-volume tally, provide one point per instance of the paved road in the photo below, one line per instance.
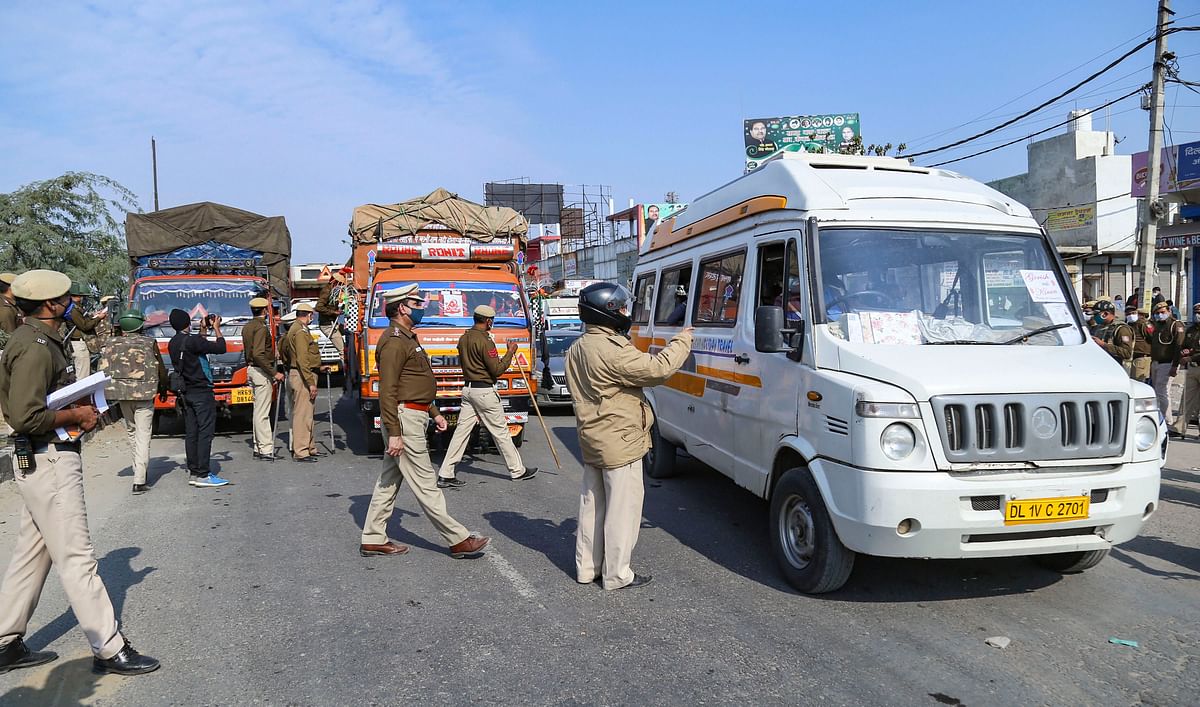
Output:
(256, 594)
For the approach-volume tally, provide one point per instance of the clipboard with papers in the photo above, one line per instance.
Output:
(91, 387)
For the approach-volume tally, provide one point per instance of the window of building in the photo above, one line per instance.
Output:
(718, 290)
(672, 296)
(642, 293)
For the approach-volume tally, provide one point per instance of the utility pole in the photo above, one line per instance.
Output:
(154, 168)
(1154, 205)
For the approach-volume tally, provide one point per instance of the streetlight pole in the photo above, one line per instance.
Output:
(1154, 206)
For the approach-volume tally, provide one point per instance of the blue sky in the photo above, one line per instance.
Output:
(308, 110)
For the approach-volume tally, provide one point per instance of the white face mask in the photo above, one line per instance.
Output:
(1162, 316)
(1131, 318)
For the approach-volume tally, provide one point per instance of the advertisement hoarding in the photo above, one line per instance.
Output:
(766, 137)
(653, 213)
(1179, 170)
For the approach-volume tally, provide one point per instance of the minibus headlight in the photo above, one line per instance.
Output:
(866, 408)
(897, 441)
(1145, 434)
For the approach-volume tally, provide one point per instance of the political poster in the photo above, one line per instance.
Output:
(653, 213)
(767, 137)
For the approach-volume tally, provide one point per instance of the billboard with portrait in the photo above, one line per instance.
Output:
(653, 213)
(767, 137)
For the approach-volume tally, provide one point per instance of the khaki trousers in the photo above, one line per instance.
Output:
(1189, 404)
(54, 531)
(82, 358)
(302, 416)
(334, 334)
(139, 423)
(4, 427)
(1160, 380)
(414, 467)
(481, 405)
(610, 517)
(260, 383)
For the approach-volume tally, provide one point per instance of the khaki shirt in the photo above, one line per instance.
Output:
(1118, 341)
(256, 342)
(33, 365)
(405, 376)
(10, 316)
(303, 354)
(83, 323)
(1166, 340)
(480, 361)
(1191, 340)
(606, 374)
(1142, 333)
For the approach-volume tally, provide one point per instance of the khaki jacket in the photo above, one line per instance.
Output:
(303, 354)
(606, 374)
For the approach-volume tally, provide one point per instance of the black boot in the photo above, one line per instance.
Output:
(17, 655)
(127, 661)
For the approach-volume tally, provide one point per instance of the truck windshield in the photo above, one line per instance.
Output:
(199, 297)
(921, 287)
(451, 303)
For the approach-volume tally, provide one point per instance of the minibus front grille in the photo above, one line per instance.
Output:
(997, 428)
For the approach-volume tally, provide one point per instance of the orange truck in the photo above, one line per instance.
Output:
(205, 259)
(462, 255)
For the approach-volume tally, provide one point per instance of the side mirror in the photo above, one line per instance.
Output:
(769, 329)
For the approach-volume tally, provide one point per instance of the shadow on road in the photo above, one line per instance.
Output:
(70, 682)
(554, 540)
(707, 512)
(358, 511)
(1185, 557)
(568, 437)
(118, 575)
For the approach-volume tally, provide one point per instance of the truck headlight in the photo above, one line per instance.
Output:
(375, 387)
(897, 441)
(502, 384)
(518, 383)
(1145, 433)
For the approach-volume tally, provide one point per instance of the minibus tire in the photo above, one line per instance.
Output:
(660, 459)
(1071, 562)
(818, 567)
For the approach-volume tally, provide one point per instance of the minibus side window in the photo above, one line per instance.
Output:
(642, 294)
(671, 308)
(718, 290)
(779, 274)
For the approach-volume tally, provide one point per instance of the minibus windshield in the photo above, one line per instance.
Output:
(942, 287)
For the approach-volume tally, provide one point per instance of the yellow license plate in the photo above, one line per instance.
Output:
(240, 396)
(1045, 510)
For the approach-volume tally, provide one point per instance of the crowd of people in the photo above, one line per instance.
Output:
(41, 310)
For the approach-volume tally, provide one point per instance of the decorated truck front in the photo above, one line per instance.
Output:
(462, 255)
(207, 259)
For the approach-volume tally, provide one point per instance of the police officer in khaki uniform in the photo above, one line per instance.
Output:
(262, 374)
(605, 370)
(104, 329)
(304, 358)
(78, 324)
(482, 367)
(407, 389)
(329, 309)
(1113, 335)
(1139, 366)
(1189, 361)
(136, 368)
(49, 478)
(1165, 342)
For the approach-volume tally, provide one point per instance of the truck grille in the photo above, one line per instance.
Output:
(993, 428)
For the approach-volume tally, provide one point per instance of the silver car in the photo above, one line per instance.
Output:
(552, 351)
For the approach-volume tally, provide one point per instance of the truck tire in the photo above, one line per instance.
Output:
(660, 460)
(1071, 562)
(810, 554)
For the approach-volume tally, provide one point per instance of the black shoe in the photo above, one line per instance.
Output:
(264, 457)
(639, 580)
(139, 489)
(529, 473)
(310, 459)
(126, 662)
(16, 655)
(1174, 435)
(451, 483)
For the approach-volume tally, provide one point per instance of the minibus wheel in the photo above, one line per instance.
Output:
(810, 554)
(660, 459)
(1069, 562)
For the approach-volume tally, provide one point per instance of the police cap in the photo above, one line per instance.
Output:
(1161, 306)
(410, 291)
(41, 285)
(485, 311)
(7, 277)
(260, 302)
(303, 308)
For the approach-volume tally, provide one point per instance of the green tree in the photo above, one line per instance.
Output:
(855, 147)
(73, 224)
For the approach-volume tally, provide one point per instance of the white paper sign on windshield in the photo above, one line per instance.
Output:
(452, 304)
(1042, 286)
(1058, 313)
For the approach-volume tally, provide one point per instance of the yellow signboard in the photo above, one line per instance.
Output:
(1066, 219)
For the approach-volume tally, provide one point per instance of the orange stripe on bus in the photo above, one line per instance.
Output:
(687, 383)
(666, 234)
(730, 376)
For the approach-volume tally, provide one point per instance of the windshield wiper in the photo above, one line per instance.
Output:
(1035, 332)
(961, 342)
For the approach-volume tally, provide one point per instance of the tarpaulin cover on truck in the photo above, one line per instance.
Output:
(166, 231)
(438, 209)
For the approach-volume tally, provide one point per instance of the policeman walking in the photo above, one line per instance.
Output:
(407, 389)
(304, 358)
(261, 371)
(49, 478)
(605, 370)
(136, 368)
(1189, 361)
(1114, 336)
(1165, 342)
(482, 366)
(79, 323)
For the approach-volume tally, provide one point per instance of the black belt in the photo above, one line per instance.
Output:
(479, 384)
(1142, 356)
(59, 446)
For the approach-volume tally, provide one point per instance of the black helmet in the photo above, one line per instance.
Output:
(1104, 306)
(602, 304)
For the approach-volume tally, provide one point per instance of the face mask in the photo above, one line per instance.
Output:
(1131, 318)
(416, 315)
(1162, 316)
(1098, 318)
(70, 308)
(1196, 317)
